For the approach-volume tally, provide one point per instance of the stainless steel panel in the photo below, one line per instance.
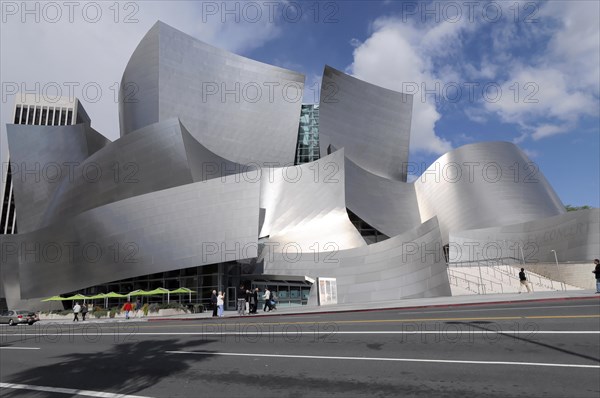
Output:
(43, 157)
(372, 123)
(575, 236)
(483, 185)
(305, 207)
(252, 117)
(190, 225)
(409, 265)
(387, 205)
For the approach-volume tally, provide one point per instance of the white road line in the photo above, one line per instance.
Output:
(300, 332)
(437, 311)
(86, 393)
(19, 348)
(560, 365)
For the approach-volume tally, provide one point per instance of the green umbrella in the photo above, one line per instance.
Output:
(54, 298)
(138, 292)
(113, 295)
(97, 296)
(77, 297)
(184, 290)
(106, 296)
(158, 291)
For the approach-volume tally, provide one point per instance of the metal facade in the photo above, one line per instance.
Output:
(372, 123)
(202, 177)
(483, 185)
(410, 265)
(240, 109)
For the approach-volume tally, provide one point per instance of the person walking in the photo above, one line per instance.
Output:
(127, 308)
(523, 280)
(84, 311)
(597, 272)
(247, 303)
(138, 308)
(273, 300)
(254, 301)
(76, 310)
(220, 303)
(213, 302)
(267, 297)
(241, 300)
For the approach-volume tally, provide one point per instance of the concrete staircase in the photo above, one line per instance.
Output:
(478, 278)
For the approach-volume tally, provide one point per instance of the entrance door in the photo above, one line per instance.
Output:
(230, 298)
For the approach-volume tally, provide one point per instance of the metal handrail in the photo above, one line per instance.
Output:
(479, 287)
(491, 283)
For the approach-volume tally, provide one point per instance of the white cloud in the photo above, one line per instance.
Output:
(537, 92)
(547, 130)
(397, 55)
(476, 115)
(549, 93)
(355, 42)
(531, 154)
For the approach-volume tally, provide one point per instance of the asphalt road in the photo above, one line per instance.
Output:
(528, 349)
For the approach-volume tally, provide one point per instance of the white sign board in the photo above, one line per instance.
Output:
(327, 291)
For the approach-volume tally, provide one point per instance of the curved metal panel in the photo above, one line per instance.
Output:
(575, 236)
(387, 205)
(483, 185)
(410, 265)
(372, 123)
(240, 109)
(190, 225)
(159, 156)
(305, 206)
(43, 157)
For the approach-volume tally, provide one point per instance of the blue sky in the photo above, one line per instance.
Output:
(524, 72)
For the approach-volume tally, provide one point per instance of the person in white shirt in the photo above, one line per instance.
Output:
(267, 297)
(220, 303)
(76, 310)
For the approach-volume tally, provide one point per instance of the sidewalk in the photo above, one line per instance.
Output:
(434, 302)
(406, 304)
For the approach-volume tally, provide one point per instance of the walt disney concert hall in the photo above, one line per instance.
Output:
(222, 176)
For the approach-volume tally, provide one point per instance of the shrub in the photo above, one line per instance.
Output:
(153, 308)
(175, 306)
(114, 311)
(99, 313)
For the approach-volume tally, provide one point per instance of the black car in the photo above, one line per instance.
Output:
(15, 317)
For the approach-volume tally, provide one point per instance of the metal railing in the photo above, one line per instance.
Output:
(494, 267)
(482, 283)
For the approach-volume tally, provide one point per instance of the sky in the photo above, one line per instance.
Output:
(519, 71)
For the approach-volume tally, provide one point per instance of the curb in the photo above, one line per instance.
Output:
(386, 309)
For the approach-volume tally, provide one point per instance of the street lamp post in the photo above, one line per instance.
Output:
(480, 276)
(522, 255)
(558, 269)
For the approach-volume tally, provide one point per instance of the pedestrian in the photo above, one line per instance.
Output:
(220, 303)
(273, 300)
(597, 272)
(84, 311)
(267, 298)
(127, 308)
(523, 280)
(213, 302)
(241, 301)
(138, 308)
(254, 301)
(247, 302)
(76, 310)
